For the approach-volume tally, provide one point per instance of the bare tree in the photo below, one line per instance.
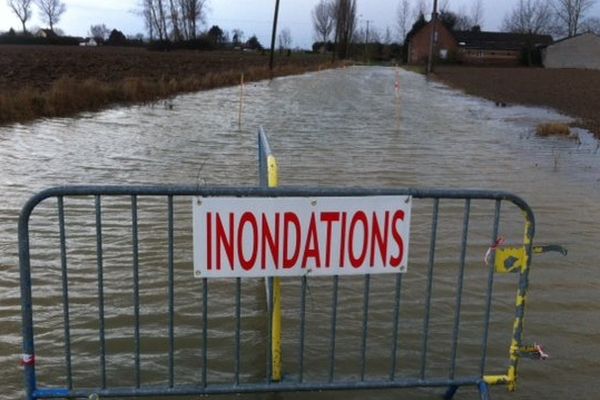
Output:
(444, 6)
(99, 32)
(238, 37)
(345, 24)
(570, 14)
(419, 9)
(463, 22)
(591, 24)
(174, 17)
(322, 16)
(50, 11)
(154, 17)
(374, 35)
(403, 18)
(477, 13)
(22, 9)
(285, 39)
(178, 19)
(193, 14)
(387, 36)
(529, 16)
(146, 13)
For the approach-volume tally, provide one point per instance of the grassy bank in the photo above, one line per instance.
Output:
(570, 91)
(50, 82)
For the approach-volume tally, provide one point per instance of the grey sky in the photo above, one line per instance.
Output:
(252, 16)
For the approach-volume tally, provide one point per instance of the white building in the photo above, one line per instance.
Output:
(89, 42)
(580, 51)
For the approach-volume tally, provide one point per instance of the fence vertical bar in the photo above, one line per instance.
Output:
(204, 332)
(100, 267)
(269, 371)
(334, 300)
(490, 285)
(171, 293)
(238, 295)
(65, 290)
(28, 359)
(395, 326)
(365, 327)
(302, 328)
(136, 288)
(436, 203)
(459, 288)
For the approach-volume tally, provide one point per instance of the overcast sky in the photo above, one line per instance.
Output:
(252, 16)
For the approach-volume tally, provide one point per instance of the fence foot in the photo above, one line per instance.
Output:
(450, 392)
(484, 390)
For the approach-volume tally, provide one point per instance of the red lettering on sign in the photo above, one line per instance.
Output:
(223, 240)
(379, 239)
(269, 239)
(329, 218)
(247, 263)
(398, 216)
(343, 241)
(209, 239)
(289, 219)
(362, 218)
(311, 248)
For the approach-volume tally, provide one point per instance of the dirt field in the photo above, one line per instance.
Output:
(572, 92)
(36, 81)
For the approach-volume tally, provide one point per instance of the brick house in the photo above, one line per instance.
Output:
(472, 47)
(419, 43)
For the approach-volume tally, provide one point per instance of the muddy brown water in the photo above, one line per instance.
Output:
(338, 128)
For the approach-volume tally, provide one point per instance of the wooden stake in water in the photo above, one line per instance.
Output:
(241, 101)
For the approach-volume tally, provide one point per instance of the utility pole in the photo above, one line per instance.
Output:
(433, 36)
(273, 36)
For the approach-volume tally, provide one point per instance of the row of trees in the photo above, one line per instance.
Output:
(50, 11)
(175, 20)
(177, 24)
(556, 17)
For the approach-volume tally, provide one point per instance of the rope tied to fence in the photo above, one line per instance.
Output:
(27, 360)
(499, 242)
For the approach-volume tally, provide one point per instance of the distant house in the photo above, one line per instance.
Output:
(88, 42)
(419, 43)
(580, 51)
(46, 33)
(477, 47)
(472, 47)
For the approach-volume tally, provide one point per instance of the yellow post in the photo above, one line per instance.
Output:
(273, 181)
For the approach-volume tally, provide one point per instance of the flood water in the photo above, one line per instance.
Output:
(339, 128)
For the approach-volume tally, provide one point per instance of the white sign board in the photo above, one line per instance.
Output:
(295, 236)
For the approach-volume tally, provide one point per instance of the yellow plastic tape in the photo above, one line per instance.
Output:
(510, 259)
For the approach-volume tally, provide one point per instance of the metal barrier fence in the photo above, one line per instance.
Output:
(380, 336)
